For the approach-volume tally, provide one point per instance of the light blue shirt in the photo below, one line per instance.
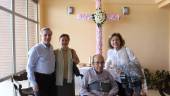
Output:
(41, 59)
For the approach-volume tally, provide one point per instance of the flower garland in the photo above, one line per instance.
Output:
(99, 17)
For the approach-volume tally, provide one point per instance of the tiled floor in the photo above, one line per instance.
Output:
(6, 89)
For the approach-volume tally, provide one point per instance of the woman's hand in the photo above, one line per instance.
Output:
(143, 91)
(112, 66)
(119, 71)
(75, 57)
(35, 88)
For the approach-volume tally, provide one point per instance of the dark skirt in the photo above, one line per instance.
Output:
(68, 89)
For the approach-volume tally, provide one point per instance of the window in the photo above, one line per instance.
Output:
(5, 43)
(18, 33)
(32, 10)
(32, 30)
(21, 7)
(21, 43)
(6, 3)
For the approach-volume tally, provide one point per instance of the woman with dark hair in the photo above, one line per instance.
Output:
(65, 58)
(124, 67)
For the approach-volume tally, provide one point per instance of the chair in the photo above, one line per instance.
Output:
(17, 79)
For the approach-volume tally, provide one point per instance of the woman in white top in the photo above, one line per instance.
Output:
(124, 67)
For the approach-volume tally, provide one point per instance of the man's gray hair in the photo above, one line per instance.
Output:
(44, 29)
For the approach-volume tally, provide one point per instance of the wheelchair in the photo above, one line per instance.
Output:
(16, 79)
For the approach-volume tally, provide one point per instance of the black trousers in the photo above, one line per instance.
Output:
(46, 84)
(124, 91)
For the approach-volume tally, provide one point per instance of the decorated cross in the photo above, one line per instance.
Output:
(99, 17)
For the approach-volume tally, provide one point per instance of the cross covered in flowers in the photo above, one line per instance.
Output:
(99, 17)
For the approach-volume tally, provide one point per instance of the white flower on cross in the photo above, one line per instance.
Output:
(99, 17)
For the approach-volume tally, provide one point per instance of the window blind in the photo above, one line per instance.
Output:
(25, 34)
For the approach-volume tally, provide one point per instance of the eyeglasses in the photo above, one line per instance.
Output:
(99, 62)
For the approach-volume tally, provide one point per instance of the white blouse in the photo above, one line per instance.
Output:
(116, 59)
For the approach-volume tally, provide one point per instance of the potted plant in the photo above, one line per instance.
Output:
(159, 80)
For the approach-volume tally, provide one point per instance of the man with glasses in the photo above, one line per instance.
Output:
(97, 81)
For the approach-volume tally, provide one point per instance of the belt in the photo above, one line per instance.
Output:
(42, 74)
